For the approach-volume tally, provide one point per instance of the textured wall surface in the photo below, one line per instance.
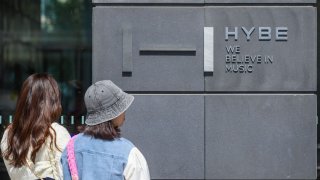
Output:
(293, 64)
(193, 116)
(169, 130)
(173, 36)
(260, 136)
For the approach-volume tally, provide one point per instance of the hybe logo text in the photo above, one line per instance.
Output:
(264, 33)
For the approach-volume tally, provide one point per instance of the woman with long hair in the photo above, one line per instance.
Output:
(32, 145)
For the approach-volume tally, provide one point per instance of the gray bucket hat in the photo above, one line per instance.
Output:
(105, 101)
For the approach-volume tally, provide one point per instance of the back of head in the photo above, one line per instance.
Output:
(37, 107)
(39, 97)
(105, 102)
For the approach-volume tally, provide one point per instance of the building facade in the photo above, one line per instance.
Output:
(223, 89)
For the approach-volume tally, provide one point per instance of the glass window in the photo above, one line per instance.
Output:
(45, 36)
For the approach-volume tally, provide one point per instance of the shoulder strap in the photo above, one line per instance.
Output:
(72, 159)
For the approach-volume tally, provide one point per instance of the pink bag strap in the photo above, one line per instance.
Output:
(72, 159)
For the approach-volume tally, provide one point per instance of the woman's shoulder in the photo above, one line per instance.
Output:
(5, 133)
(62, 135)
(60, 130)
(127, 142)
(4, 138)
(57, 126)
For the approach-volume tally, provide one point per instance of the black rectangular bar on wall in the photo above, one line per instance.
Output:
(167, 52)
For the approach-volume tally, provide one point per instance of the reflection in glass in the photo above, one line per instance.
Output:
(45, 36)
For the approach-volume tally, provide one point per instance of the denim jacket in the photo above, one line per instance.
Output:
(116, 159)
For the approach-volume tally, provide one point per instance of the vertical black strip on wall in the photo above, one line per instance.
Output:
(127, 51)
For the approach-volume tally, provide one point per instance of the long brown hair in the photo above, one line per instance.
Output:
(38, 106)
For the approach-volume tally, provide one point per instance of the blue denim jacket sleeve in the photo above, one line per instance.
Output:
(65, 166)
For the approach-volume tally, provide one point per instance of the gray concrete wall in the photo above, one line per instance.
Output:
(276, 65)
(195, 117)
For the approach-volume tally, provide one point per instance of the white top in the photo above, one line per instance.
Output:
(137, 167)
(43, 166)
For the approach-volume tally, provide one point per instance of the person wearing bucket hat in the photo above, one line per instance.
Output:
(100, 152)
